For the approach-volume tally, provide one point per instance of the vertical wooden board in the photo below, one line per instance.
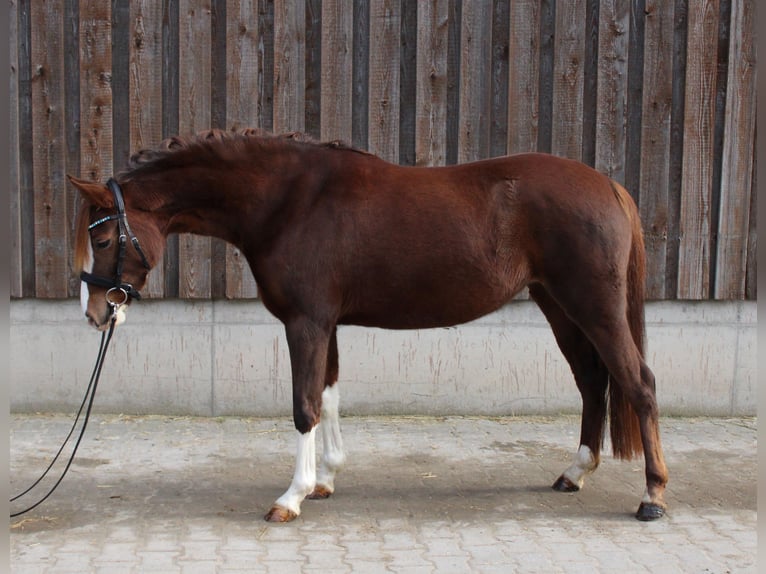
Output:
(454, 26)
(337, 67)
(244, 60)
(96, 162)
(407, 81)
(289, 66)
(751, 281)
(266, 64)
(14, 231)
(475, 50)
(498, 110)
(657, 102)
(313, 68)
(360, 75)
(523, 76)
(590, 82)
(243, 109)
(611, 114)
(385, 26)
(697, 168)
(568, 79)
(194, 108)
(171, 31)
(736, 168)
(72, 121)
(120, 83)
(431, 89)
(26, 150)
(545, 76)
(51, 220)
(634, 96)
(145, 97)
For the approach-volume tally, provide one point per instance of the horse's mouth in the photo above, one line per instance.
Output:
(103, 325)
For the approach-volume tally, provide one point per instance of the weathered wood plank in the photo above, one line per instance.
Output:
(171, 32)
(360, 75)
(475, 50)
(385, 26)
(697, 176)
(26, 155)
(523, 74)
(14, 231)
(431, 94)
(737, 167)
(289, 66)
(145, 97)
(498, 107)
(244, 103)
(266, 64)
(96, 90)
(751, 284)
(337, 67)
(547, 33)
(657, 102)
(611, 115)
(568, 79)
(51, 220)
(72, 118)
(455, 18)
(408, 81)
(313, 67)
(194, 252)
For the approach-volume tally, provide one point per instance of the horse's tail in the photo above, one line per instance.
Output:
(624, 426)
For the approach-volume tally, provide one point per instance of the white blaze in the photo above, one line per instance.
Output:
(84, 293)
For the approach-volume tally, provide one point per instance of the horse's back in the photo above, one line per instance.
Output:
(437, 246)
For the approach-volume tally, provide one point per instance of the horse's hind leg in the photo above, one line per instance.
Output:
(333, 456)
(602, 317)
(591, 378)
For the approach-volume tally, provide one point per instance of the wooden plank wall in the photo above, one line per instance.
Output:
(659, 95)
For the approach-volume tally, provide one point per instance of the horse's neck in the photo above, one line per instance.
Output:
(224, 203)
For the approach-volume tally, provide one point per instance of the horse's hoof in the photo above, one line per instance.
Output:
(280, 514)
(319, 493)
(649, 511)
(563, 484)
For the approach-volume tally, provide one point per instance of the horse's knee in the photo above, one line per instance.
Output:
(306, 416)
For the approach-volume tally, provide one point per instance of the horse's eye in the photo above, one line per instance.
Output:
(103, 244)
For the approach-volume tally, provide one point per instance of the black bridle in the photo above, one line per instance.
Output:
(115, 285)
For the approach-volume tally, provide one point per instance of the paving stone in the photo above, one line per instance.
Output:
(418, 495)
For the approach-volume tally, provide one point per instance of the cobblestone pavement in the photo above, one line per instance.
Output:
(454, 494)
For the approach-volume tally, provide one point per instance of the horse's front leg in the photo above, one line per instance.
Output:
(333, 456)
(308, 344)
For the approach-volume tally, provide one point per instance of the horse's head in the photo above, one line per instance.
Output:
(114, 264)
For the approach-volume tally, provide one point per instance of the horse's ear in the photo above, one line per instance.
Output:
(96, 193)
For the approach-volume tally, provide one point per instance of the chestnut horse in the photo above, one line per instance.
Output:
(335, 236)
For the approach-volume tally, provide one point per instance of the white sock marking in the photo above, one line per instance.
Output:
(583, 464)
(333, 456)
(304, 478)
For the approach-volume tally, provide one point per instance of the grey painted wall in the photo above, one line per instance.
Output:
(230, 358)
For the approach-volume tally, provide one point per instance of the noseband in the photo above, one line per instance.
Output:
(115, 285)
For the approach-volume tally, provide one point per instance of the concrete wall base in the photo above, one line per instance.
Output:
(230, 358)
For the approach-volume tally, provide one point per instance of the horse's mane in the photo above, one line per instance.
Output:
(218, 144)
(209, 145)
